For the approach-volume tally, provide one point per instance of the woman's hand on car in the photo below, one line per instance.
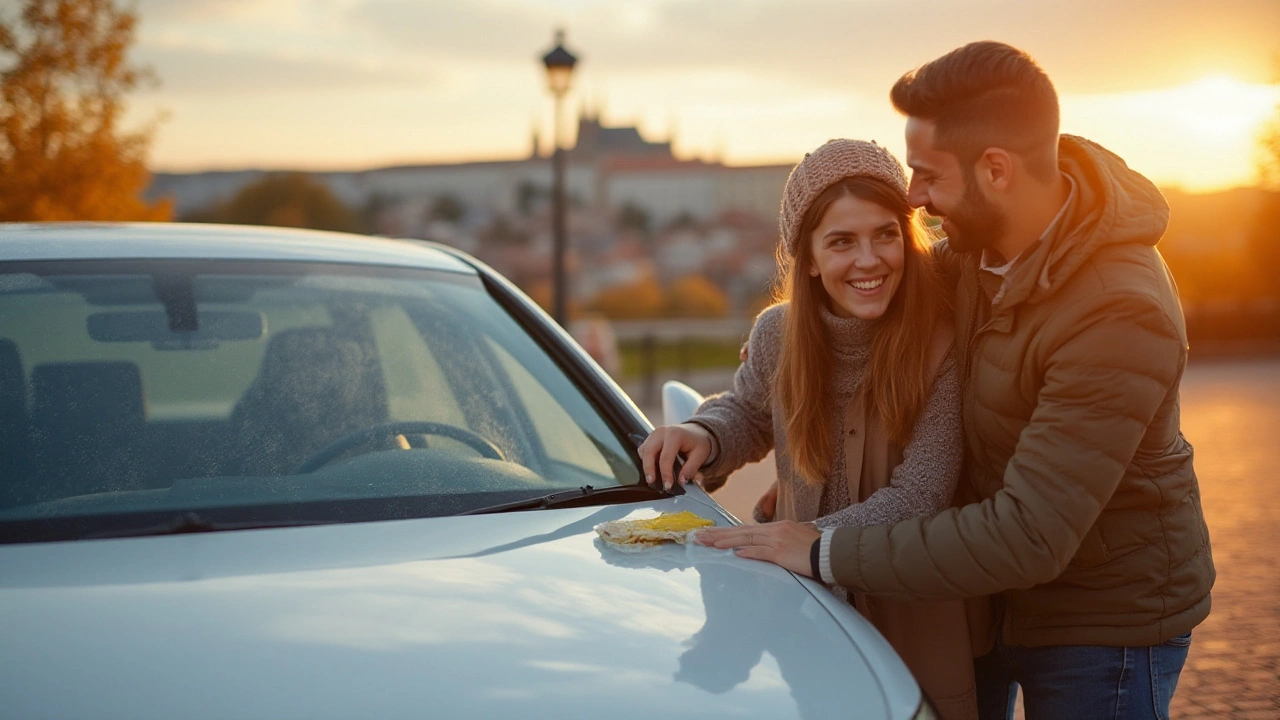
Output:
(658, 452)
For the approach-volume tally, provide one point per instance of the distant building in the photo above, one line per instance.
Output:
(598, 142)
(608, 168)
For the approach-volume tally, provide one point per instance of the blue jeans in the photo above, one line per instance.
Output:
(1081, 682)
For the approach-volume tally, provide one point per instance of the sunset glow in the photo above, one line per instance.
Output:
(1199, 136)
(326, 84)
(1219, 108)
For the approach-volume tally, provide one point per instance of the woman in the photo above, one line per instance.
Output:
(849, 379)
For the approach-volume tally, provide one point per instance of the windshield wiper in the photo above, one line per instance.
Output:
(582, 497)
(191, 522)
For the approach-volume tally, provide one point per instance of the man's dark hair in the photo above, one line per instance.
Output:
(983, 95)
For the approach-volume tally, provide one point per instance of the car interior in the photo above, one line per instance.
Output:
(99, 400)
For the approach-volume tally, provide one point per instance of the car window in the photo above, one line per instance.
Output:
(415, 383)
(192, 386)
(565, 441)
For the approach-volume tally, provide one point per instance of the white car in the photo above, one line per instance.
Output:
(264, 473)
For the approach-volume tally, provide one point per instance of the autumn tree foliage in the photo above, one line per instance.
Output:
(690, 296)
(642, 298)
(291, 199)
(696, 296)
(542, 292)
(63, 79)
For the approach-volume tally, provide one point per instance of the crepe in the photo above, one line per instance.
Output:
(638, 535)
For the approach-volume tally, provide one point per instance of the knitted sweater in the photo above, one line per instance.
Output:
(747, 422)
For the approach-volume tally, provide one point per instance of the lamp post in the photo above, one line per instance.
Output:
(559, 63)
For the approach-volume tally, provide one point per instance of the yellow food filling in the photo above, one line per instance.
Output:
(676, 522)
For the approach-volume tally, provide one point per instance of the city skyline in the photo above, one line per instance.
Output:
(1177, 88)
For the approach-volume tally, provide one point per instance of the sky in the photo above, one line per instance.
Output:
(1179, 88)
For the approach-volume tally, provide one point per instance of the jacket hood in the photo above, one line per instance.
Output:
(1112, 205)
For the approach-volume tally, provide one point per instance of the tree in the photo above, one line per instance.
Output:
(1269, 168)
(633, 217)
(1264, 239)
(635, 300)
(1269, 147)
(684, 221)
(696, 296)
(287, 200)
(63, 78)
(528, 196)
(1263, 246)
(447, 208)
(503, 233)
(542, 292)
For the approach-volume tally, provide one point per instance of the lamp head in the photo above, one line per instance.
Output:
(559, 63)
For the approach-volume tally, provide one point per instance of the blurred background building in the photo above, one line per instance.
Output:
(637, 214)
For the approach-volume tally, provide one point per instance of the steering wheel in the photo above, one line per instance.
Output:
(406, 427)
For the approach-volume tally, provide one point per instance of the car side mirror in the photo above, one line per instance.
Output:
(679, 401)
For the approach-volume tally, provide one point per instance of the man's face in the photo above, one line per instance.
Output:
(949, 191)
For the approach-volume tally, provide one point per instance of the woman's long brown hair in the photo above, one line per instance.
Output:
(898, 375)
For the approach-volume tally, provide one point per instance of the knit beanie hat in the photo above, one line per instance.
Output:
(822, 168)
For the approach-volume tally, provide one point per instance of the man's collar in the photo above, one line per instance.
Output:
(1062, 211)
(990, 258)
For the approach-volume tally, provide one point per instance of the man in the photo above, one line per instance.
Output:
(1087, 523)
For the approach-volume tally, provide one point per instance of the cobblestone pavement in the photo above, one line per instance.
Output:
(1231, 414)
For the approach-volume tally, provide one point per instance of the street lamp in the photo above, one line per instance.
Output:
(559, 63)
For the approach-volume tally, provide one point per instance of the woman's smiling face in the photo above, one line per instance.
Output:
(858, 251)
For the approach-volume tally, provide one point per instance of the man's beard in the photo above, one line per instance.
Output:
(976, 223)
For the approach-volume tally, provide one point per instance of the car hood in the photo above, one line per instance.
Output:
(510, 615)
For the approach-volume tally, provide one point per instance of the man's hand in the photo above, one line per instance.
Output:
(783, 543)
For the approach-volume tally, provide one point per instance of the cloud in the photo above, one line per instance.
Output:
(862, 46)
(191, 10)
(756, 79)
(478, 30)
(1087, 45)
(204, 71)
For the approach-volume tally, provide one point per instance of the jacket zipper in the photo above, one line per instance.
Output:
(971, 337)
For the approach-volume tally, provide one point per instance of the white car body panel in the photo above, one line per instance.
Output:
(178, 241)
(519, 614)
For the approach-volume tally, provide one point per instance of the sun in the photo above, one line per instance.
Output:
(1220, 108)
(1202, 135)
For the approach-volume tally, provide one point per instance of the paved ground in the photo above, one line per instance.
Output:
(1231, 414)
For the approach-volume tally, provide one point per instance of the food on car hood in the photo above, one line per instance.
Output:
(636, 535)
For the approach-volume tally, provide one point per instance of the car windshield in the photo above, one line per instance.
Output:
(275, 393)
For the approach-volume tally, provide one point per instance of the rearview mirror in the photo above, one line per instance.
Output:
(153, 327)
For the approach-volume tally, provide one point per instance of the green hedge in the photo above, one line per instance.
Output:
(677, 356)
